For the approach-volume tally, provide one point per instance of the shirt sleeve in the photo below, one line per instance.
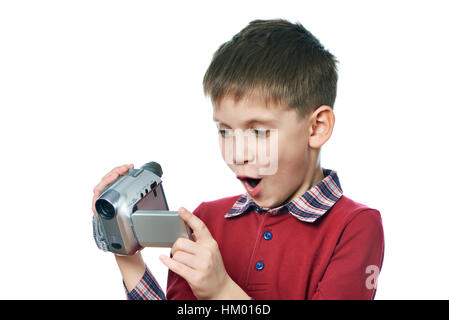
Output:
(147, 289)
(356, 262)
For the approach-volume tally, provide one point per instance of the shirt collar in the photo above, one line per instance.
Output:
(309, 207)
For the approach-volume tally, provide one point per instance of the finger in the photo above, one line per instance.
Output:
(93, 205)
(110, 177)
(94, 199)
(104, 183)
(177, 267)
(187, 259)
(120, 170)
(97, 191)
(198, 227)
(186, 245)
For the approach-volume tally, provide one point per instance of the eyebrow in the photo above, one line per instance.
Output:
(251, 121)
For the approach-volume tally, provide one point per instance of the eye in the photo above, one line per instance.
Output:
(225, 132)
(261, 132)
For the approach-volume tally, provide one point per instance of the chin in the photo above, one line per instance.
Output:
(267, 203)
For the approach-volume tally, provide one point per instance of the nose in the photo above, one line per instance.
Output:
(243, 147)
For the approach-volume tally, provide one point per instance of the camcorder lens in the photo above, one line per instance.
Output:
(105, 209)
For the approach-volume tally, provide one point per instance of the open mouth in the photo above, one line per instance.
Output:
(252, 185)
(253, 182)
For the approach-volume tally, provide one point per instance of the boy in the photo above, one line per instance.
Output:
(293, 234)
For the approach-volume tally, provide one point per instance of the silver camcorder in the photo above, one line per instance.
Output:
(133, 212)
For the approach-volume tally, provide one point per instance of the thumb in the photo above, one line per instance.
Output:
(198, 227)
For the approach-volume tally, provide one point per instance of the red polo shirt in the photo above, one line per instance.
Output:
(320, 246)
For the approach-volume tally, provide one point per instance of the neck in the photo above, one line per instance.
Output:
(313, 175)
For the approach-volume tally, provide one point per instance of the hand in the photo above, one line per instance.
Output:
(199, 262)
(132, 268)
(110, 177)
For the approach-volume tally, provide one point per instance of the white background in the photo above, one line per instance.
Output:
(89, 85)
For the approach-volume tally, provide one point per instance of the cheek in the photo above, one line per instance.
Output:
(225, 149)
(292, 158)
(225, 153)
(222, 147)
(291, 148)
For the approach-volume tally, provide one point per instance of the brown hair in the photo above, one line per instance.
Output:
(280, 60)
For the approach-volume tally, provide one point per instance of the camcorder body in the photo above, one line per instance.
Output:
(133, 212)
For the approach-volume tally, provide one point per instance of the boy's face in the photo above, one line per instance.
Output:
(266, 143)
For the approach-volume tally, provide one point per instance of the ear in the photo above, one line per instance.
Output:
(322, 123)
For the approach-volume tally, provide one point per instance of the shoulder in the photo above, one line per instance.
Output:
(351, 217)
(348, 209)
(357, 217)
(216, 206)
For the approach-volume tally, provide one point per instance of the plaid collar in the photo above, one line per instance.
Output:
(308, 207)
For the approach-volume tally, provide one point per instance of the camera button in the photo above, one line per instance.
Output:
(134, 173)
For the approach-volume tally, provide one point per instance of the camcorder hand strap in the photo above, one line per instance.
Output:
(99, 236)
